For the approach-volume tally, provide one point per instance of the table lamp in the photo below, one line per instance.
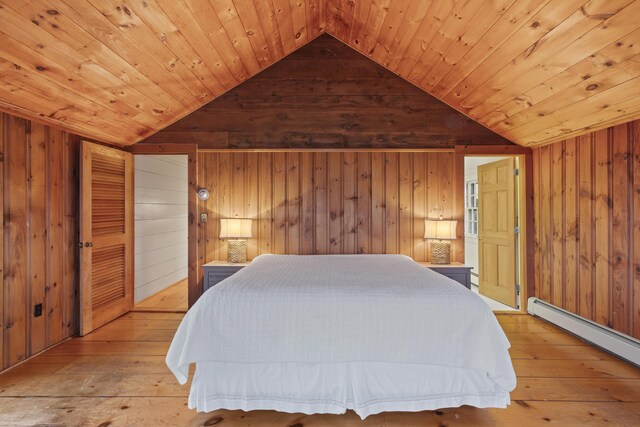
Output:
(235, 231)
(440, 232)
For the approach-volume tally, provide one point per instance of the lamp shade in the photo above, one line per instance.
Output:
(235, 228)
(441, 230)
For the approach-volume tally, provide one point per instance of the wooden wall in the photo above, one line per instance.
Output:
(587, 221)
(335, 202)
(326, 95)
(39, 168)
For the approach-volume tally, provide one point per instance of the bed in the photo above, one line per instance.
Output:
(327, 333)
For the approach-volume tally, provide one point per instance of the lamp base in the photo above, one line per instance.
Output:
(441, 252)
(236, 251)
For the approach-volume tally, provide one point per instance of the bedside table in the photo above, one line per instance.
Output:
(216, 271)
(457, 271)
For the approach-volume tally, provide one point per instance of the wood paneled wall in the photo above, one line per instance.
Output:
(39, 167)
(326, 95)
(587, 220)
(331, 202)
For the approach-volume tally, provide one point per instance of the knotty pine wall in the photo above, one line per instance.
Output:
(326, 95)
(330, 202)
(39, 192)
(587, 226)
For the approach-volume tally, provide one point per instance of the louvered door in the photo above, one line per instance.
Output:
(106, 235)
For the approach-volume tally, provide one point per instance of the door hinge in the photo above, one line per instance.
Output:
(517, 288)
(516, 230)
(516, 172)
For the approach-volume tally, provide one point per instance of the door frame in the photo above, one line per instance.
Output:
(194, 282)
(524, 191)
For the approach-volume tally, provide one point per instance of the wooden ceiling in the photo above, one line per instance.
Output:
(118, 71)
(534, 71)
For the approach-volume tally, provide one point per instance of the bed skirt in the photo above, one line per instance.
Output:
(331, 388)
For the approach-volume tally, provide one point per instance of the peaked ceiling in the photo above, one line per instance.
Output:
(534, 71)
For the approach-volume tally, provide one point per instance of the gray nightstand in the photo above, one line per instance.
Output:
(457, 271)
(216, 271)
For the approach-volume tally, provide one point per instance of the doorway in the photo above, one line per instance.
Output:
(492, 229)
(161, 232)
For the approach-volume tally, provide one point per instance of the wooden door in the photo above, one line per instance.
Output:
(497, 249)
(106, 235)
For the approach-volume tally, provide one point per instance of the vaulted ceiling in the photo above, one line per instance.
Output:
(534, 71)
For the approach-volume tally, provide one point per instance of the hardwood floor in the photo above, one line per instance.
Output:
(172, 299)
(116, 376)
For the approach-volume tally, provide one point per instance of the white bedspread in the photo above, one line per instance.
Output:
(334, 332)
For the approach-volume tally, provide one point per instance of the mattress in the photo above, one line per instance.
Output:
(327, 333)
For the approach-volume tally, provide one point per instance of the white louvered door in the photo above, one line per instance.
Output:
(106, 235)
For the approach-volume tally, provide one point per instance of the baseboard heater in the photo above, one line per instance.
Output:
(621, 345)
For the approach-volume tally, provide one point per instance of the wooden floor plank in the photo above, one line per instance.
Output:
(105, 364)
(554, 352)
(612, 369)
(577, 389)
(555, 338)
(151, 315)
(90, 384)
(528, 327)
(117, 376)
(98, 348)
(142, 324)
(130, 335)
(172, 299)
(171, 411)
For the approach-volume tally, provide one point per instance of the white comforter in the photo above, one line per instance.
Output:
(334, 332)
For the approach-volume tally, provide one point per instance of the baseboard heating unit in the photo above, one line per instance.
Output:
(621, 345)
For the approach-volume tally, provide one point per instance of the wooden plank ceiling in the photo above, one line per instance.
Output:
(534, 71)
(119, 71)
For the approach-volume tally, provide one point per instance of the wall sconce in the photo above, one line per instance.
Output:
(236, 231)
(441, 232)
(203, 194)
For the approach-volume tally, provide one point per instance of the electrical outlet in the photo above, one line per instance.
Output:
(203, 217)
(37, 310)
